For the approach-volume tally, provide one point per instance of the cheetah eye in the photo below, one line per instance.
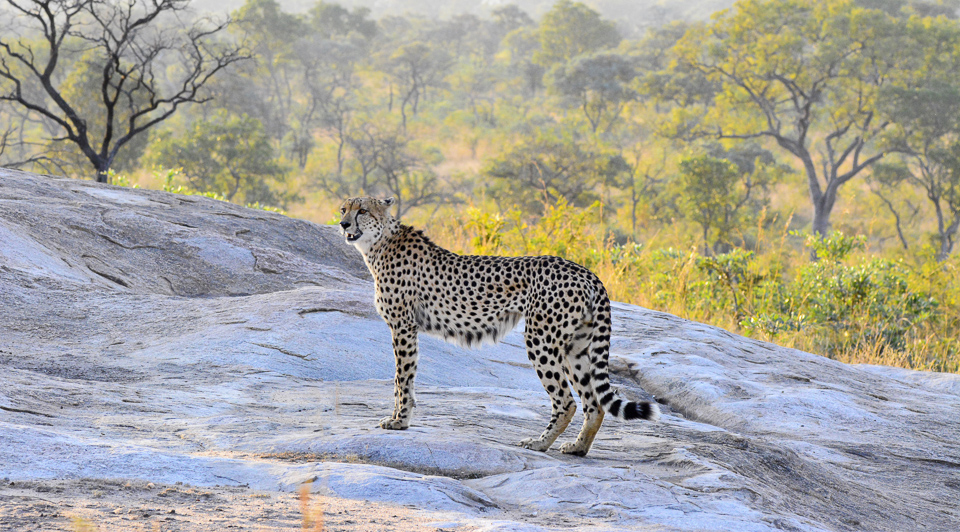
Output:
(343, 210)
(362, 211)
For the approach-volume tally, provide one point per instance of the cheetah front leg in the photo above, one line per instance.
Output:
(406, 351)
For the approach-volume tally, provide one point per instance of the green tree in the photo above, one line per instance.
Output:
(853, 306)
(332, 88)
(722, 190)
(663, 79)
(925, 133)
(267, 87)
(707, 195)
(509, 18)
(228, 155)
(805, 75)
(599, 84)
(520, 47)
(383, 161)
(570, 29)
(549, 165)
(86, 78)
(329, 20)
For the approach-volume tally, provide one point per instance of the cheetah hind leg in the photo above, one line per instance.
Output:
(549, 369)
(578, 367)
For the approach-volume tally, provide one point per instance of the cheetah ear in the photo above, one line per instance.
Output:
(389, 201)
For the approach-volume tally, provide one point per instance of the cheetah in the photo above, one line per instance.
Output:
(472, 300)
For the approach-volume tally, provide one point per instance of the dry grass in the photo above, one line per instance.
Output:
(312, 512)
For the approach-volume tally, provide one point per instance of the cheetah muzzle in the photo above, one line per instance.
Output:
(472, 300)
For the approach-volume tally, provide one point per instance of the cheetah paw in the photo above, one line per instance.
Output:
(572, 448)
(390, 423)
(535, 444)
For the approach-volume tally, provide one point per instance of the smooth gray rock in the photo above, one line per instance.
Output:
(159, 337)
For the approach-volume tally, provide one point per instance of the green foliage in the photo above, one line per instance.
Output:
(723, 195)
(845, 305)
(787, 68)
(707, 195)
(864, 304)
(520, 46)
(266, 20)
(84, 80)
(559, 232)
(171, 175)
(487, 228)
(120, 180)
(836, 247)
(383, 161)
(599, 84)
(227, 155)
(730, 271)
(924, 112)
(329, 20)
(417, 67)
(552, 165)
(570, 29)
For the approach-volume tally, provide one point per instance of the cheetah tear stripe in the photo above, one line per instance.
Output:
(474, 300)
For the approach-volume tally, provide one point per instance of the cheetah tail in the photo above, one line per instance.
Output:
(608, 397)
(616, 406)
(643, 410)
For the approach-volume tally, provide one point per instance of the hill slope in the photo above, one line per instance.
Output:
(150, 337)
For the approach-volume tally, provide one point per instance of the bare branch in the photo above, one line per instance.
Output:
(127, 44)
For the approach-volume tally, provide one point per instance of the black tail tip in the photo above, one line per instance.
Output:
(647, 411)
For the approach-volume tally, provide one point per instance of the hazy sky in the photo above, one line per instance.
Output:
(627, 13)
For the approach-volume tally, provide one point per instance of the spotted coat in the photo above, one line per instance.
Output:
(471, 300)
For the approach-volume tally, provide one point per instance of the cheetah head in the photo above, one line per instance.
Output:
(365, 220)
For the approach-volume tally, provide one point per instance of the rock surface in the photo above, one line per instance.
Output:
(151, 337)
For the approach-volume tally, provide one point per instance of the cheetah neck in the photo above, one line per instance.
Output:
(390, 231)
(394, 236)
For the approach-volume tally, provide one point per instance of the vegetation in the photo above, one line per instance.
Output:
(850, 304)
(85, 72)
(718, 170)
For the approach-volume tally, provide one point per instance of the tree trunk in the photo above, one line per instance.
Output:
(103, 174)
(822, 208)
(821, 216)
(706, 242)
(821, 219)
(947, 240)
(896, 215)
(818, 196)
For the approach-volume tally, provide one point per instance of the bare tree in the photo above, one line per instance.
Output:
(417, 67)
(17, 151)
(332, 86)
(127, 46)
(405, 175)
(382, 163)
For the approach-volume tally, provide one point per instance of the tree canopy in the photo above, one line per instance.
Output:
(806, 75)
